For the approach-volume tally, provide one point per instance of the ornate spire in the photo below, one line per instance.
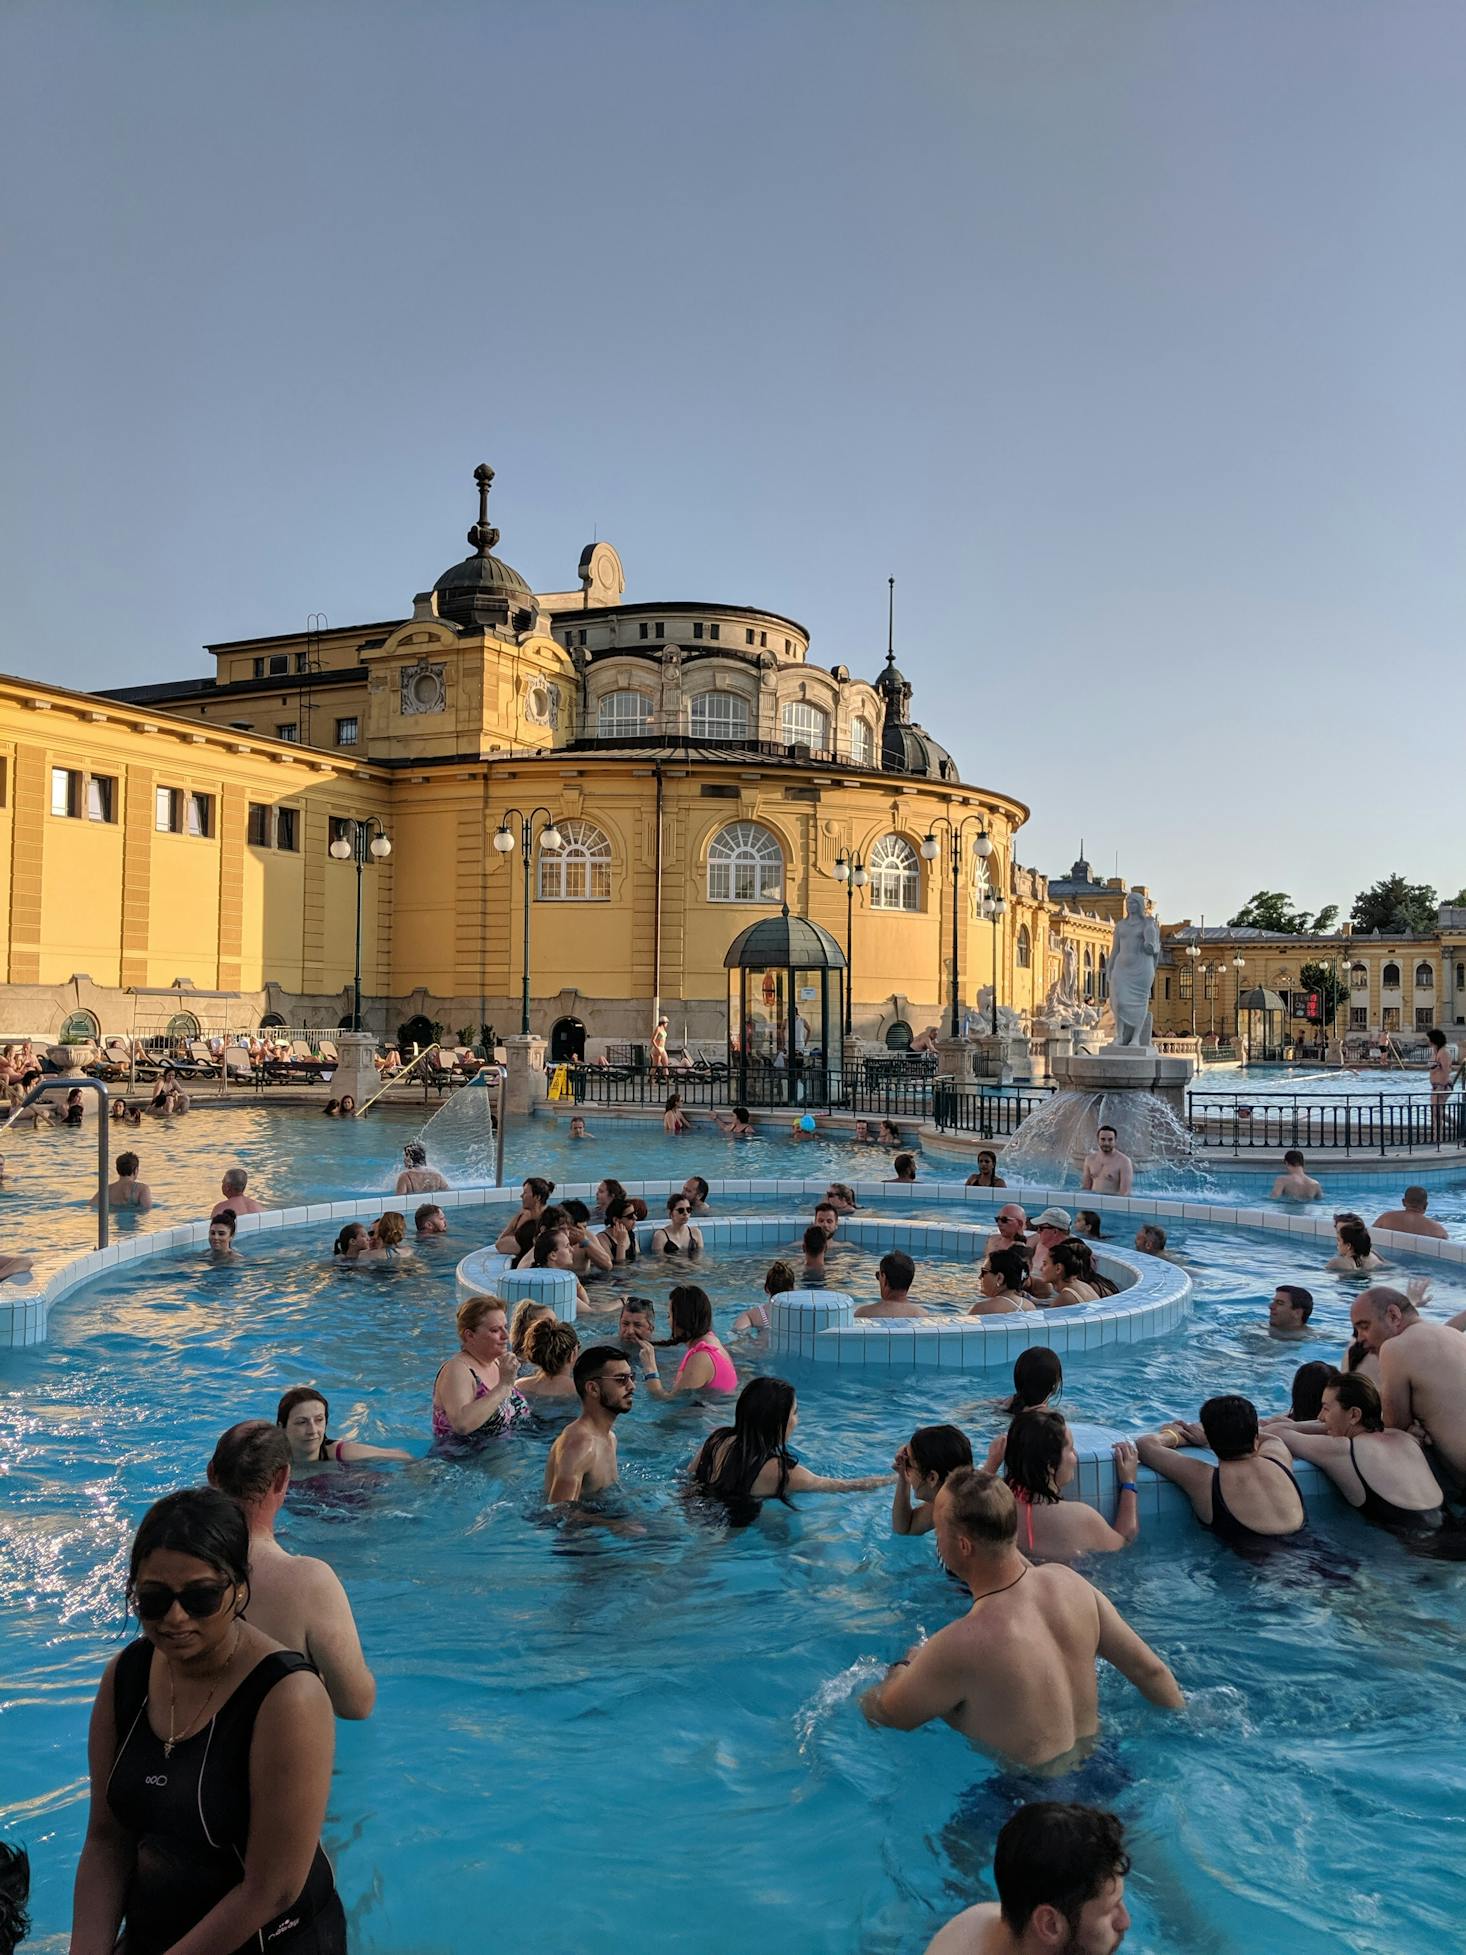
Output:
(890, 621)
(483, 536)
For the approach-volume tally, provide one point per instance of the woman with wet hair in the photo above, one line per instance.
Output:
(189, 1722)
(303, 1416)
(352, 1242)
(528, 1312)
(1384, 1475)
(921, 1467)
(749, 1462)
(1069, 1267)
(779, 1278)
(1038, 1463)
(1354, 1253)
(1249, 1499)
(1002, 1283)
(705, 1366)
(386, 1237)
(552, 1348)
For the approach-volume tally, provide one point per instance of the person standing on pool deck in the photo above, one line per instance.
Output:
(1106, 1170)
(417, 1178)
(1016, 1674)
(127, 1191)
(583, 1458)
(232, 1187)
(1422, 1375)
(293, 1598)
(1060, 1874)
(1295, 1184)
(192, 1722)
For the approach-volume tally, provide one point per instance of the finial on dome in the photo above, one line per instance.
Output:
(483, 536)
(890, 621)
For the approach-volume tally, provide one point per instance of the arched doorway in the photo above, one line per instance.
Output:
(898, 1036)
(415, 1034)
(567, 1042)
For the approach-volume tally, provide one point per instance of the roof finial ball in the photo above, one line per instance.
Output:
(483, 536)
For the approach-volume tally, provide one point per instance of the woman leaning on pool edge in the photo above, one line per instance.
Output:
(190, 1720)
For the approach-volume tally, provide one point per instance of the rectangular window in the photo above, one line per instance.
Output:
(257, 828)
(346, 732)
(285, 829)
(101, 798)
(201, 814)
(279, 662)
(169, 816)
(289, 730)
(661, 631)
(1391, 1018)
(259, 666)
(1424, 1018)
(644, 630)
(788, 648)
(748, 634)
(302, 662)
(65, 791)
(712, 631)
(1183, 987)
(1358, 1018)
(1461, 977)
(1167, 982)
(697, 631)
(763, 639)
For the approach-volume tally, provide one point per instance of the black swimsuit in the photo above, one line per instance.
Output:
(1384, 1513)
(1226, 1526)
(189, 1813)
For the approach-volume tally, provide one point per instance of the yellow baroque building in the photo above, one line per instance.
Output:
(167, 847)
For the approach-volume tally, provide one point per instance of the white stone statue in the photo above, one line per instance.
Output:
(1010, 1022)
(1063, 1000)
(1135, 950)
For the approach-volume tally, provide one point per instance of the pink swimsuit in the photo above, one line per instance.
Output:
(724, 1378)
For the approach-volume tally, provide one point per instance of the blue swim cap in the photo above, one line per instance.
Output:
(807, 1124)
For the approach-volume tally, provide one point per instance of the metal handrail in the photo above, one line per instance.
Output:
(399, 1075)
(51, 1085)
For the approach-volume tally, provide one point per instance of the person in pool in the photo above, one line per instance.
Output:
(552, 1349)
(1249, 1499)
(922, 1467)
(221, 1237)
(429, 1219)
(534, 1199)
(1038, 1463)
(674, 1120)
(1088, 1225)
(679, 1235)
(304, 1416)
(527, 1313)
(607, 1190)
(813, 1274)
(889, 1134)
(618, 1237)
(583, 1459)
(1384, 1475)
(1038, 1379)
(1060, 1874)
(1016, 1674)
(749, 1462)
(987, 1175)
(778, 1279)
(636, 1324)
(1289, 1311)
(578, 1128)
(1354, 1253)
(473, 1393)
(705, 1366)
(386, 1237)
(737, 1125)
(352, 1242)
(1002, 1283)
(841, 1197)
(347, 1108)
(204, 1713)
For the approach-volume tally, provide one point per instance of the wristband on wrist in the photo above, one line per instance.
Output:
(1128, 1486)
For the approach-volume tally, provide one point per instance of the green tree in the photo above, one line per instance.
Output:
(1327, 917)
(1333, 990)
(1393, 905)
(1271, 909)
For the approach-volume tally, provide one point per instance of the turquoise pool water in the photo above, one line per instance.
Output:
(644, 1736)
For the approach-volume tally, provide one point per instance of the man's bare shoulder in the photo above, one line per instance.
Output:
(968, 1933)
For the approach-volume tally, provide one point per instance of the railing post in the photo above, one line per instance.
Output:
(1382, 1147)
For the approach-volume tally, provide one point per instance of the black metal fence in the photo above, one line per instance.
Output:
(1378, 1124)
(880, 1087)
(991, 1116)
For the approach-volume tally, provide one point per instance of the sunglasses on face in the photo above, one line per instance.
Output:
(200, 1600)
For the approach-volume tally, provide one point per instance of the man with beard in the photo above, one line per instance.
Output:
(583, 1459)
(1060, 1874)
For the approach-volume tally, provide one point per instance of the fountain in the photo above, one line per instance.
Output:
(1126, 1084)
(460, 1137)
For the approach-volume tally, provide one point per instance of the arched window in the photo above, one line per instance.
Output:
(183, 1025)
(1359, 976)
(272, 1018)
(1089, 973)
(806, 725)
(1024, 948)
(81, 1028)
(898, 1036)
(1425, 977)
(719, 716)
(895, 876)
(623, 715)
(745, 865)
(580, 870)
(1104, 976)
(862, 743)
(1389, 977)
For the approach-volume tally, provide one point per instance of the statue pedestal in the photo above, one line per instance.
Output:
(990, 1060)
(356, 1073)
(1126, 1069)
(954, 1059)
(525, 1085)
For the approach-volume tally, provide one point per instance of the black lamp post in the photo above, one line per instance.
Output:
(1193, 951)
(551, 838)
(996, 908)
(982, 848)
(364, 840)
(851, 871)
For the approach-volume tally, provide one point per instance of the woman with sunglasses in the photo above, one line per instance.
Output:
(678, 1235)
(189, 1720)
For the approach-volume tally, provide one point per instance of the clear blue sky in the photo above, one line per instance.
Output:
(1130, 337)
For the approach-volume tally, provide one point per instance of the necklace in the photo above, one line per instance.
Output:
(175, 1737)
(1006, 1586)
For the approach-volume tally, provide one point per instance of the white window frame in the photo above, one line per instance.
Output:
(895, 874)
(805, 725)
(862, 741)
(745, 865)
(353, 720)
(616, 719)
(730, 717)
(68, 788)
(168, 810)
(580, 870)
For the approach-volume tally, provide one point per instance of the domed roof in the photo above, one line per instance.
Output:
(908, 749)
(791, 941)
(481, 589)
